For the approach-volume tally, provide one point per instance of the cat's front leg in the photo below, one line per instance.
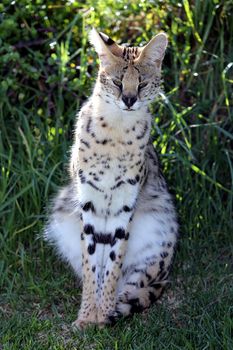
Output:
(113, 260)
(88, 309)
(88, 312)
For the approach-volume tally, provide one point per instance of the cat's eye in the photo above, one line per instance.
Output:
(118, 83)
(142, 85)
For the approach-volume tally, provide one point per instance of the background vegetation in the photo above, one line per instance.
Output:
(47, 69)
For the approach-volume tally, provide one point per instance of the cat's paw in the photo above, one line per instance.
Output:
(123, 297)
(83, 321)
(107, 319)
(114, 316)
(104, 321)
(82, 324)
(78, 324)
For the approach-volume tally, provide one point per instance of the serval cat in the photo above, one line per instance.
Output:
(115, 222)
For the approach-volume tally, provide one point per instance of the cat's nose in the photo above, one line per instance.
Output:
(129, 100)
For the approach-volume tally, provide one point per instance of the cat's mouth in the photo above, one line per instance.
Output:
(129, 109)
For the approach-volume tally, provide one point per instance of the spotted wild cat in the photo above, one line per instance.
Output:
(115, 222)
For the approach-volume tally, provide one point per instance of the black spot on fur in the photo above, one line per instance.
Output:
(132, 283)
(173, 229)
(117, 185)
(103, 238)
(164, 254)
(94, 186)
(120, 233)
(157, 285)
(143, 133)
(112, 255)
(85, 143)
(93, 268)
(162, 275)
(161, 264)
(132, 181)
(148, 276)
(113, 241)
(133, 301)
(141, 168)
(126, 208)
(81, 176)
(127, 236)
(88, 206)
(59, 208)
(135, 305)
(88, 125)
(152, 297)
(88, 229)
(91, 249)
(141, 284)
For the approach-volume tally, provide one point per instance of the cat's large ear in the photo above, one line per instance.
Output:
(154, 51)
(106, 48)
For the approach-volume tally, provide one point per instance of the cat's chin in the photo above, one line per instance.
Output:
(129, 110)
(132, 109)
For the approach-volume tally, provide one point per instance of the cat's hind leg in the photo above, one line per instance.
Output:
(139, 292)
(147, 262)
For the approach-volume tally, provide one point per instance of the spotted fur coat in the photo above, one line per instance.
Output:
(115, 222)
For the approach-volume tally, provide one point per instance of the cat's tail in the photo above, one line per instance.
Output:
(136, 299)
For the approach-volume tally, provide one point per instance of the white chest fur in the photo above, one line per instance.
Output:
(108, 155)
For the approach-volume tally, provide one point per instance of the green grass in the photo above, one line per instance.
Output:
(41, 87)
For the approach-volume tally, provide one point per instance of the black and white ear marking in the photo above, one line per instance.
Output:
(106, 48)
(108, 41)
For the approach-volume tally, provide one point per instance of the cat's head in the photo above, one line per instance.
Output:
(129, 76)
